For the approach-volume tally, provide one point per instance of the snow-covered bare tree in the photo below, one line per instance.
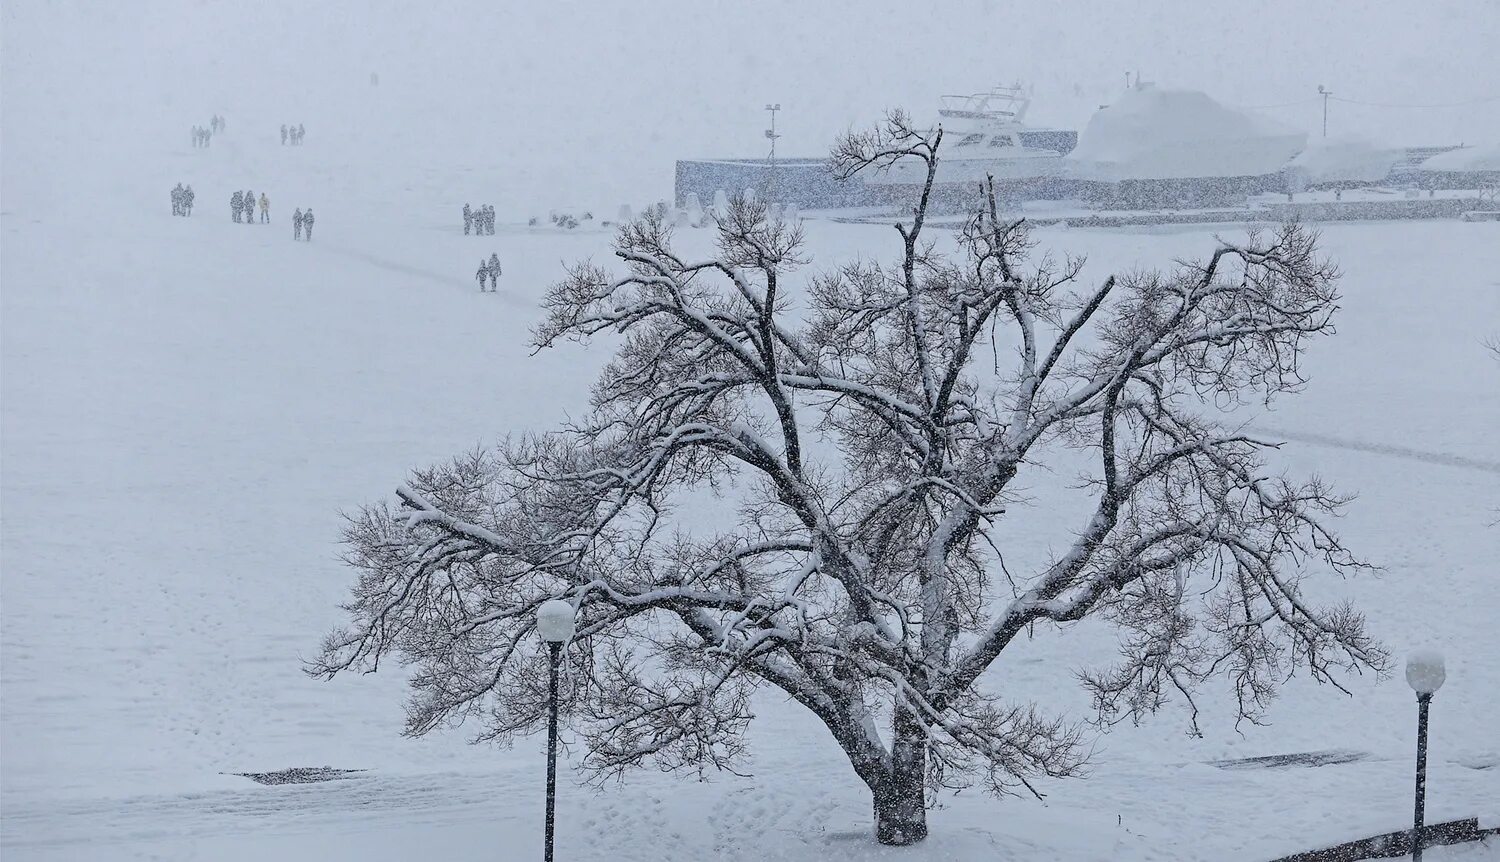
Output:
(870, 445)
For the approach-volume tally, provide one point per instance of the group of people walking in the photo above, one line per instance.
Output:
(482, 220)
(182, 200)
(488, 269)
(244, 203)
(302, 223)
(201, 135)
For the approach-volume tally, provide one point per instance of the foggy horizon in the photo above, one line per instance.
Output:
(567, 96)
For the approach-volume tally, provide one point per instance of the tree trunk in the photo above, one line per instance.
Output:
(900, 797)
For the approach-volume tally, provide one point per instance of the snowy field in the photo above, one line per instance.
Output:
(189, 404)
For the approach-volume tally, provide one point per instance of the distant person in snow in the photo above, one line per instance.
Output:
(301, 133)
(177, 200)
(468, 219)
(307, 223)
(482, 274)
(187, 201)
(494, 268)
(297, 225)
(265, 209)
(283, 134)
(489, 219)
(249, 207)
(237, 204)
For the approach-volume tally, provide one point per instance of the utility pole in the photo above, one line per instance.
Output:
(772, 136)
(1325, 94)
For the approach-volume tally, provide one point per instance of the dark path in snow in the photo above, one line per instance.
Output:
(1446, 459)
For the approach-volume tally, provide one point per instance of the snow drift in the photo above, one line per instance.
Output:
(1154, 133)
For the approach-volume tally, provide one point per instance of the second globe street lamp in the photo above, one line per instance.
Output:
(554, 622)
(1425, 674)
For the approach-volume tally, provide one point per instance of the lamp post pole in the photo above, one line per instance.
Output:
(1325, 94)
(554, 650)
(555, 623)
(1416, 830)
(1425, 673)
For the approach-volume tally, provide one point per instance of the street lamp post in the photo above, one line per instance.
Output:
(554, 622)
(1425, 674)
(1325, 93)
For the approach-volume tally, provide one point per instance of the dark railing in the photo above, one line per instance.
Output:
(1392, 845)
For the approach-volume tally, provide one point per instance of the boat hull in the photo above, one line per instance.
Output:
(958, 170)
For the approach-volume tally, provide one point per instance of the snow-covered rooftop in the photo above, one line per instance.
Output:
(1155, 133)
(1485, 157)
(1346, 158)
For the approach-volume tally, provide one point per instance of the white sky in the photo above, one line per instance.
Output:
(633, 86)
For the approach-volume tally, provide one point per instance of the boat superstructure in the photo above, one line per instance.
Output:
(984, 134)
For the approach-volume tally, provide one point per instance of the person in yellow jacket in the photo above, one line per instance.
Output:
(265, 209)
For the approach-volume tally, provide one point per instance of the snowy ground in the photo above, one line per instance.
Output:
(189, 403)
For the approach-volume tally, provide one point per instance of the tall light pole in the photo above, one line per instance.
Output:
(555, 623)
(771, 134)
(1325, 94)
(1425, 674)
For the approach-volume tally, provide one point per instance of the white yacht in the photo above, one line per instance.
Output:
(984, 135)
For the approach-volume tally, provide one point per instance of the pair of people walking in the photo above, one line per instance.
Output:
(182, 200)
(489, 269)
(302, 223)
(201, 136)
